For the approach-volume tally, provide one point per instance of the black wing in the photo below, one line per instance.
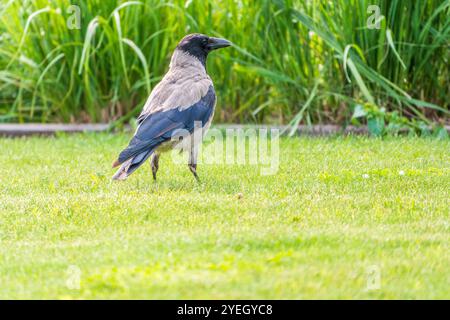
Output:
(160, 126)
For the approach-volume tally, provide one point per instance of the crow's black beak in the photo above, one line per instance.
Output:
(217, 43)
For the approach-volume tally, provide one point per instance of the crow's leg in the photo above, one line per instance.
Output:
(193, 168)
(193, 162)
(155, 164)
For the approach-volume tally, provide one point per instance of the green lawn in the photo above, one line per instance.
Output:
(341, 214)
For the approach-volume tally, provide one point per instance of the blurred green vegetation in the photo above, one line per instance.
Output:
(293, 61)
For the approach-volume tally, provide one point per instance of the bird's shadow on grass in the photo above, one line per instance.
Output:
(181, 185)
(160, 186)
(214, 180)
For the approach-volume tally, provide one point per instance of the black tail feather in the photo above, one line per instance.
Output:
(129, 166)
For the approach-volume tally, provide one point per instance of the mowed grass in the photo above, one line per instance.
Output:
(347, 217)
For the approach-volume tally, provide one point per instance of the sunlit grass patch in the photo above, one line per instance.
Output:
(316, 229)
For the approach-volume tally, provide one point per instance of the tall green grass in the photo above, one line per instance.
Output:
(293, 61)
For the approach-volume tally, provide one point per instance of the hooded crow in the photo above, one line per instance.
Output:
(183, 99)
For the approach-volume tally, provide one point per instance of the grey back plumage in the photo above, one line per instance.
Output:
(184, 84)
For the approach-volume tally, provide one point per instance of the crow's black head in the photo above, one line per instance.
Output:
(199, 45)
